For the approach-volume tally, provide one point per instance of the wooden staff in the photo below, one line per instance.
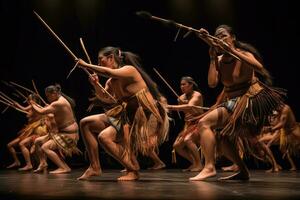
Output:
(162, 78)
(147, 15)
(14, 88)
(37, 92)
(60, 41)
(7, 98)
(22, 95)
(5, 109)
(89, 74)
(54, 34)
(22, 87)
(201, 107)
(85, 51)
(10, 105)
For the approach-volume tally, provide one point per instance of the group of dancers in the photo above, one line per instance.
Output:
(248, 116)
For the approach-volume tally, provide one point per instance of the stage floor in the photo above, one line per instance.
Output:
(162, 184)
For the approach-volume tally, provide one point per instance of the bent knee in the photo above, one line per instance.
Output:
(45, 148)
(84, 122)
(21, 144)
(203, 125)
(103, 139)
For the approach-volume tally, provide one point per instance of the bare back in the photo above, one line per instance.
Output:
(63, 115)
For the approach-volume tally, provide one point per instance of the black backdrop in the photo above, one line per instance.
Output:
(30, 52)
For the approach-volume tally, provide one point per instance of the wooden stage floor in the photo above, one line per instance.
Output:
(162, 184)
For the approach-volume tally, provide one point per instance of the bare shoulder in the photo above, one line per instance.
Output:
(197, 94)
(287, 108)
(129, 67)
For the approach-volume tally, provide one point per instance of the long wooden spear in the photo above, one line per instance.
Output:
(164, 80)
(10, 105)
(59, 40)
(169, 86)
(67, 48)
(37, 92)
(54, 34)
(148, 15)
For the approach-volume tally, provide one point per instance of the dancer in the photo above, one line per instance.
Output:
(63, 134)
(285, 131)
(186, 141)
(123, 131)
(243, 106)
(33, 129)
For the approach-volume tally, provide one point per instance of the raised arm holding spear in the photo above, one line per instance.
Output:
(71, 53)
(209, 39)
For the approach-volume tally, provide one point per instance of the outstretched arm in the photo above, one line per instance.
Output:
(43, 110)
(27, 108)
(125, 71)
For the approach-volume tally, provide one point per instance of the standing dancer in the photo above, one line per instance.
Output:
(186, 141)
(63, 133)
(123, 131)
(244, 104)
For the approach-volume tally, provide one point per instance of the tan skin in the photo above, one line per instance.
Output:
(186, 146)
(24, 143)
(123, 82)
(286, 120)
(62, 114)
(232, 72)
(157, 162)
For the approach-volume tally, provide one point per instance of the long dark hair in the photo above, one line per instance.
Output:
(128, 58)
(57, 88)
(265, 74)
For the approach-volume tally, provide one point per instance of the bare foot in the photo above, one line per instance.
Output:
(232, 168)
(196, 168)
(204, 174)
(15, 164)
(60, 171)
(237, 176)
(193, 168)
(26, 168)
(293, 169)
(130, 176)
(277, 168)
(88, 173)
(41, 168)
(158, 166)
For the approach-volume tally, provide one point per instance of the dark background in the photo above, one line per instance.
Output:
(29, 52)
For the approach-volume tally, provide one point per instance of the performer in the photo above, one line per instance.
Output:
(63, 129)
(123, 130)
(244, 104)
(186, 141)
(33, 129)
(285, 131)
